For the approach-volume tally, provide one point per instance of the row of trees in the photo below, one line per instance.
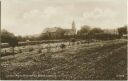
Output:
(86, 32)
(122, 31)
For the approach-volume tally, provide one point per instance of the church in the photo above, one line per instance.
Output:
(57, 31)
(72, 31)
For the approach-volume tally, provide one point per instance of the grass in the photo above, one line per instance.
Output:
(105, 60)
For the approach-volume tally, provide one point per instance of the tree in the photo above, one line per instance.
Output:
(5, 36)
(122, 31)
(62, 46)
(10, 38)
(13, 42)
(20, 38)
(105, 36)
(84, 30)
(96, 30)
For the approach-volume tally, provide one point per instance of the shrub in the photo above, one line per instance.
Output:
(20, 51)
(105, 36)
(62, 46)
(39, 51)
(31, 49)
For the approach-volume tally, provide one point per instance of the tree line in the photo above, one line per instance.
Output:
(85, 33)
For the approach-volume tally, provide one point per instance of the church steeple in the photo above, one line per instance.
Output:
(73, 26)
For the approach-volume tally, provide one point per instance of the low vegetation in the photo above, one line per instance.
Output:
(93, 61)
(91, 54)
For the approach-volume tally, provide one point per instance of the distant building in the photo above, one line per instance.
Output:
(52, 32)
(72, 31)
(57, 31)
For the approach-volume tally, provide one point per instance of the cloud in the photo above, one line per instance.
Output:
(31, 14)
(100, 13)
(19, 16)
(50, 11)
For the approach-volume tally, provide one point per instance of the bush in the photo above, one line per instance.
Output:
(62, 46)
(20, 51)
(39, 51)
(31, 49)
(105, 36)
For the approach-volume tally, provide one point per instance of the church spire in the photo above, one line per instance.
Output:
(73, 26)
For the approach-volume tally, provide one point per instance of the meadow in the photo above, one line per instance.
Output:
(104, 60)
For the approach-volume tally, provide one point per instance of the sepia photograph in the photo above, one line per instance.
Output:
(63, 39)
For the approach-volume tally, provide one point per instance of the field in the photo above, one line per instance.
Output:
(104, 60)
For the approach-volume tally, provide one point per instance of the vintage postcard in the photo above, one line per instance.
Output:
(63, 40)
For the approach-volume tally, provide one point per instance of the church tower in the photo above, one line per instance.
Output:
(73, 27)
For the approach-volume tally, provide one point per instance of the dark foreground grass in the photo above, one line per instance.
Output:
(95, 61)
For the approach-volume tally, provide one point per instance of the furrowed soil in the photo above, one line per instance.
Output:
(106, 60)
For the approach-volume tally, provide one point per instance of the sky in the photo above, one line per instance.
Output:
(27, 17)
